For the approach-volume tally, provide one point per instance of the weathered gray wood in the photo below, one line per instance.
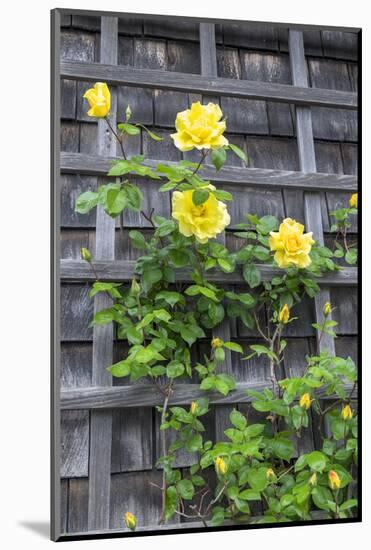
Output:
(123, 270)
(248, 35)
(132, 441)
(151, 78)
(78, 505)
(144, 395)
(183, 57)
(72, 163)
(312, 201)
(76, 312)
(74, 443)
(339, 44)
(101, 421)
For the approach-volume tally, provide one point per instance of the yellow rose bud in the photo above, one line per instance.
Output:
(313, 480)
(204, 221)
(193, 407)
(346, 413)
(130, 521)
(85, 254)
(353, 201)
(128, 113)
(334, 480)
(305, 401)
(284, 314)
(270, 473)
(220, 466)
(327, 309)
(200, 127)
(291, 245)
(99, 99)
(216, 343)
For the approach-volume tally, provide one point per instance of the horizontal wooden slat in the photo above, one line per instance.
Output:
(168, 80)
(283, 179)
(150, 396)
(123, 270)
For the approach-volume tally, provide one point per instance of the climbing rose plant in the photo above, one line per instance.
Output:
(161, 319)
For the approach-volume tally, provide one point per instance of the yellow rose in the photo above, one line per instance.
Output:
(313, 480)
(130, 521)
(200, 127)
(305, 401)
(99, 99)
(346, 413)
(284, 314)
(270, 474)
(327, 309)
(291, 244)
(334, 480)
(220, 466)
(204, 221)
(216, 343)
(85, 254)
(353, 201)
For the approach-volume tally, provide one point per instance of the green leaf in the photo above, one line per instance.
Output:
(250, 494)
(266, 224)
(171, 502)
(194, 443)
(223, 195)
(152, 135)
(134, 335)
(252, 275)
(134, 196)
(218, 157)
(238, 152)
(217, 517)
(351, 503)
(129, 129)
(170, 297)
(186, 489)
(138, 240)
(226, 266)
(120, 369)
(351, 256)
(179, 258)
(282, 447)
(237, 419)
(86, 201)
(224, 383)
(199, 196)
(257, 478)
(116, 201)
(152, 276)
(316, 461)
(104, 316)
(233, 346)
(174, 369)
(167, 227)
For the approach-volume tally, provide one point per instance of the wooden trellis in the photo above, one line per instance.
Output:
(98, 396)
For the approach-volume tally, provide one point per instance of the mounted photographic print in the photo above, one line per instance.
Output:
(205, 213)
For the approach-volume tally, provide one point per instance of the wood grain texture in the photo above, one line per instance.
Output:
(152, 78)
(101, 421)
(307, 159)
(72, 163)
(123, 270)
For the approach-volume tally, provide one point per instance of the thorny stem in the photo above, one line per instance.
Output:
(203, 156)
(118, 139)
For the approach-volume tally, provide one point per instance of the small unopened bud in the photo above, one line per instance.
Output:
(313, 479)
(85, 254)
(130, 521)
(128, 113)
(220, 466)
(193, 407)
(327, 309)
(353, 201)
(334, 480)
(305, 401)
(284, 314)
(135, 287)
(216, 343)
(270, 474)
(346, 413)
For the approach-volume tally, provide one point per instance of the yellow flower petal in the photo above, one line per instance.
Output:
(291, 245)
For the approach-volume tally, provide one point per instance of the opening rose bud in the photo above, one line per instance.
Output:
(305, 401)
(216, 343)
(99, 99)
(353, 201)
(346, 413)
(130, 521)
(327, 309)
(313, 480)
(193, 407)
(284, 315)
(220, 466)
(270, 474)
(334, 480)
(85, 254)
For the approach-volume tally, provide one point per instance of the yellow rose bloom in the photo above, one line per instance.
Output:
(305, 401)
(291, 244)
(334, 480)
(99, 99)
(284, 314)
(204, 221)
(353, 201)
(220, 466)
(200, 127)
(346, 413)
(130, 521)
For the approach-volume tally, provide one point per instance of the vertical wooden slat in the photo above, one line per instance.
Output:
(209, 68)
(307, 159)
(101, 421)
